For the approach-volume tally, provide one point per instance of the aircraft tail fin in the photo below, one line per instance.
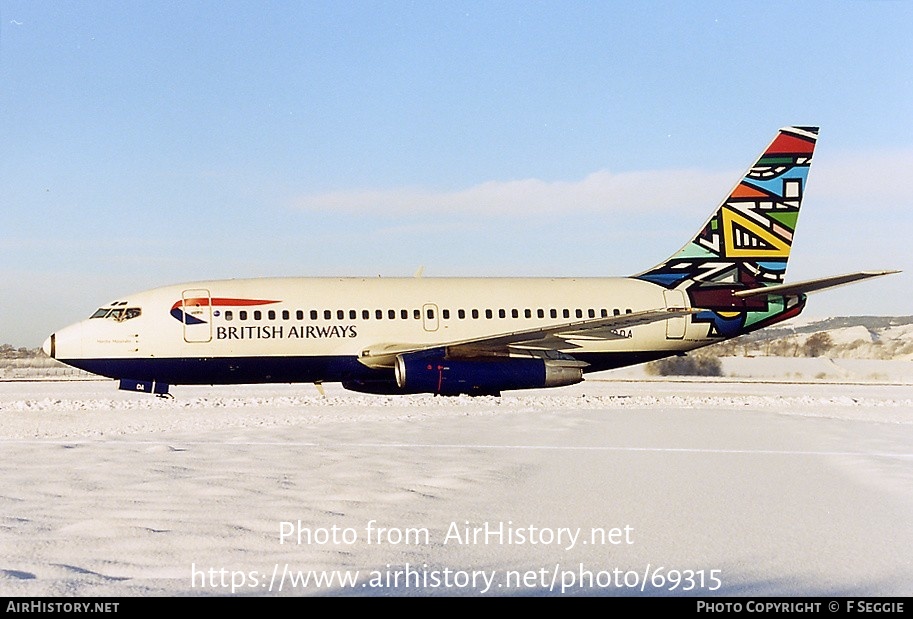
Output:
(745, 243)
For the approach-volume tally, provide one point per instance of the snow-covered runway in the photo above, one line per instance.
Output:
(607, 487)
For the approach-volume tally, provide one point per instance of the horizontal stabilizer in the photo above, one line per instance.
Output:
(811, 285)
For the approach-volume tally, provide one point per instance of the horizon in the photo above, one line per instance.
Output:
(798, 322)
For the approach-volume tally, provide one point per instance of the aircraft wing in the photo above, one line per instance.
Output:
(548, 338)
(811, 285)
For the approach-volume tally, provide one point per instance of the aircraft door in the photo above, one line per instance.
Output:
(196, 308)
(429, 317)
(675, 327)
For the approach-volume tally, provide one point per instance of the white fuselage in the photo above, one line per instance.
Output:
(340, 317)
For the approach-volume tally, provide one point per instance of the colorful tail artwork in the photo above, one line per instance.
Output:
(745, 244)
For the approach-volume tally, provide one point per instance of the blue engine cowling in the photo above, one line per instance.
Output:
(423, 374)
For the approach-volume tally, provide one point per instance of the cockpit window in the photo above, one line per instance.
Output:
(118, 313)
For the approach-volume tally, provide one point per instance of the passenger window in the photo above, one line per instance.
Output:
(445, 314)
(365, 315)
(417, 314)
(528, 313)
(605, 313)
(285, 315)
(488, 313)
(430, 313)
(379, 314)
(242, 315)
(258, 314)
(391, 314)
(353, 314)
(475, 313)
(514, 313)
(313, 314)
(271, 315)
(553, 313)
(629, 311)
(502, 314)
(591, 313)
(461, 314)
(566, 313)
(579, 313)
(327, 315)
(299, 314)
(404, 314)
(616, 312)
(229, 315)
(540, 313)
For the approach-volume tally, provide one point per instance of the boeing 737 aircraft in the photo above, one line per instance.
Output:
(476, 336)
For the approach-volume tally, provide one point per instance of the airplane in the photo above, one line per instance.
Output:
(475, 336)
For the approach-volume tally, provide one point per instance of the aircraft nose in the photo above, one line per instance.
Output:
(50, 346)
(65, 343)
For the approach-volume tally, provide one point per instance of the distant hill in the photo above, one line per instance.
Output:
(847, 337)
(8, 351)
(31, 363)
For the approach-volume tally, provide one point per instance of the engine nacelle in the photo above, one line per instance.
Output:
(425, 374)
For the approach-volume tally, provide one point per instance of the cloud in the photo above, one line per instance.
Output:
(849, 180)
(601, 192)
(876, 181)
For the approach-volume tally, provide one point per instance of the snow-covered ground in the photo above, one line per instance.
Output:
(617, 487)
(816, 370)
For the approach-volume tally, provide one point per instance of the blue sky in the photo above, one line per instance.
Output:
(152, 143)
